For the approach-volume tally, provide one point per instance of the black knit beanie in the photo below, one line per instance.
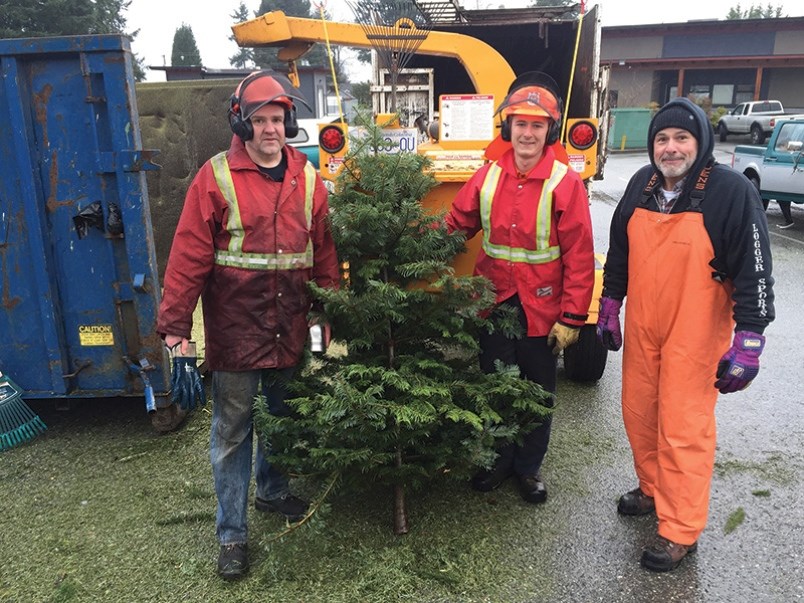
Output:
(676, 116)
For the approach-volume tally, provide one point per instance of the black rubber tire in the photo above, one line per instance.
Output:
(757, 135)
(585, 361)
(722, 131)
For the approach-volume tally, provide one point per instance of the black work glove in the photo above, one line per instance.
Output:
(187, 388)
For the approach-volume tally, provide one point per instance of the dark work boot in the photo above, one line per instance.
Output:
(233, 561)
(292, 507)
(487, 480)
(635, 503)
(663, 555)
(532, 489)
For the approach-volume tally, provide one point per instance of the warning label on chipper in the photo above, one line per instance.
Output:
(90, 335)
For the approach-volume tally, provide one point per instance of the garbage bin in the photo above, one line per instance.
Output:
(80, 289)
(628, 129)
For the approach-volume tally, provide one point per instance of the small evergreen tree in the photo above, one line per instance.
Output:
(407, 401)
(244, 56)
(185, 51)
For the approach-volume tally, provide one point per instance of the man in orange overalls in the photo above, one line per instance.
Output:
(689, 247)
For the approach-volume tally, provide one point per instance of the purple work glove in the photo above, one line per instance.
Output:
(608, 324)
(740, 365)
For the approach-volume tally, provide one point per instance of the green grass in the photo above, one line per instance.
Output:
(734, 521)
(102, 508)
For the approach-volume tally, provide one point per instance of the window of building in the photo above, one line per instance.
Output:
(722, 94)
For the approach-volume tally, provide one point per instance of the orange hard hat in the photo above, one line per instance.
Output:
(257, 90)
(532, 100)
(533, 93)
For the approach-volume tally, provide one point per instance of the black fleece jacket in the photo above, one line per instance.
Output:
(733, 217)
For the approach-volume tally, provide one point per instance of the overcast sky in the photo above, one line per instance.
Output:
(157, 21)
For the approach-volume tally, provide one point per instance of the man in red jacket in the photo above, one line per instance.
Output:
(252, 234)
(537, 251)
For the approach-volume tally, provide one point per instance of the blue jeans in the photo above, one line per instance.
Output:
(230, 445)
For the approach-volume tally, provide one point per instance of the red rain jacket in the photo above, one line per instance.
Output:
(253, 318)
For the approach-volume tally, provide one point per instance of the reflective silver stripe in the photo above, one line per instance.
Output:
(233, 256)
(543, 252)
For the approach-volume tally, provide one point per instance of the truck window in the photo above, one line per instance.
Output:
(738, 110)
(775, 106)
(790, 139)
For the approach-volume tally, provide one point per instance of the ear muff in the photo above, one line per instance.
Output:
(243, 128)
(505, 129)
(553, 132)
(291, 124)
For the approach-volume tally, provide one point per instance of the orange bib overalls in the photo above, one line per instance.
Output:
(678, 324)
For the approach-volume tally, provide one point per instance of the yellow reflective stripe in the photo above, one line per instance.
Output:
(233, 256)
(543, 252)
(309, 191)
(544, 215)
(487, 196)
(223, 176)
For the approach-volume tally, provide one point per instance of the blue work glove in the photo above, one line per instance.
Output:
(740, 365)
(608, 324)
(187, 388)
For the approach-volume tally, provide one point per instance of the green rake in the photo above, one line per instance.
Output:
(18, 423)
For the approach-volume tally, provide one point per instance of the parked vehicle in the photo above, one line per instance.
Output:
(777, 170)
(752, 118)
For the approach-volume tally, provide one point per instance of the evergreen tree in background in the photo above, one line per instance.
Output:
(244, 57)
(405, 402)
(756, 11)
(185, 50)
(28, 19)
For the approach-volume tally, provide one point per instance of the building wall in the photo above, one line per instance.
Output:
(633, 87)
(789, 43)
(786, 86)
(636, 47)
(719, 62)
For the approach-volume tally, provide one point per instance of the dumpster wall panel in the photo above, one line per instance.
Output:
(80, 295)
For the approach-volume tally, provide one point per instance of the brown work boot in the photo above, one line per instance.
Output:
(663, 555)
(635, 503)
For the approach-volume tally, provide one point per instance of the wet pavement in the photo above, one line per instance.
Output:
(759, 464)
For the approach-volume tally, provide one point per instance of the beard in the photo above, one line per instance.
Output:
(675, 171)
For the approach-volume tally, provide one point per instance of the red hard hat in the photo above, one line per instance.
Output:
(257, 90)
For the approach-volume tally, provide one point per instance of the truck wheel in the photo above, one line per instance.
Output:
(585, 361)
(755, 181)
(757, 135)
(723, 131)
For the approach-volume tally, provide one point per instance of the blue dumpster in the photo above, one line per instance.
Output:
(78, 271)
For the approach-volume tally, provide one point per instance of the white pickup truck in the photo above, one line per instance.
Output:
(777, 170)
(752, 118)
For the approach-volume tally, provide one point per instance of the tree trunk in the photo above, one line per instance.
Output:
(400, 513)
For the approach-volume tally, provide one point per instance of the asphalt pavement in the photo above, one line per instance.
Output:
(751, 550)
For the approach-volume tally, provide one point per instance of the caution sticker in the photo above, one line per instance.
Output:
(95, 335)
(577, 162)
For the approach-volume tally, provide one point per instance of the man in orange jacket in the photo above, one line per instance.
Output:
(537, 251)
(689, 247)
(253, 232)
